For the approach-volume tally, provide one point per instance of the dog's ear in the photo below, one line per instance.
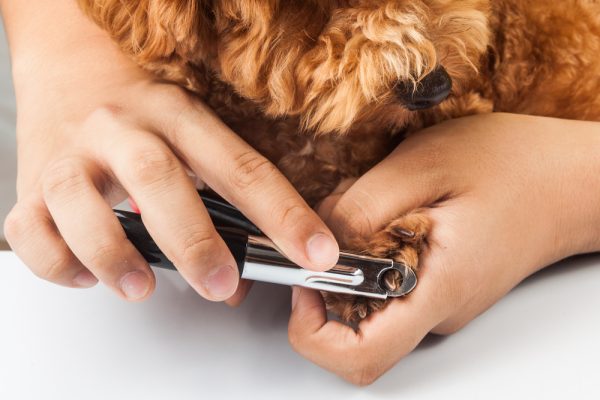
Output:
(153, 31)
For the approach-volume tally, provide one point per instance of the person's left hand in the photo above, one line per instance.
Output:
(506, 194)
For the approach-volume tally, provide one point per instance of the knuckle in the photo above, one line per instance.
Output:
(56, 267)
(184, 108)
(149, 166)
(363, 375)
(15, 226)
(250, 169)
(22, 231)
(104, 254)
(295, 340)
(290, 214)
(197, 244)
(104, 114)
(63, 177)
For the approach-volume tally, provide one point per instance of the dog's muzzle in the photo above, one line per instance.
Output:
(428, 92)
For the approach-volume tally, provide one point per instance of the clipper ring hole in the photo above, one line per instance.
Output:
(391, 280)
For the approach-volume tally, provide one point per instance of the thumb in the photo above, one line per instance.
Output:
(390, 189)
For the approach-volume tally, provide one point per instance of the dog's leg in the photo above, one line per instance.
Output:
(402, 240)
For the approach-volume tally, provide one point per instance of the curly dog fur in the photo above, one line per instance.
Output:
(315, 84)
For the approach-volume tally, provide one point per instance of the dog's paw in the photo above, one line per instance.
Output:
(402, 240)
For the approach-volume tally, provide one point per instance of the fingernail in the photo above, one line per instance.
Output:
(85, 279)
(135, 285)
(295, 294)
(222, 282)
(322, 251)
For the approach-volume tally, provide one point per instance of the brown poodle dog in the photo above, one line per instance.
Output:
(326, 88)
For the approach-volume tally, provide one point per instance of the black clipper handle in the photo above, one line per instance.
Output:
(235, 239)
(224, 214)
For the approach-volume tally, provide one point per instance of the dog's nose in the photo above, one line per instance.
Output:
(429, 92)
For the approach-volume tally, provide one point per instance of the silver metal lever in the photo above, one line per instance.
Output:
(354, 274)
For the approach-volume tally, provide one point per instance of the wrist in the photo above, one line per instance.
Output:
(578, 222)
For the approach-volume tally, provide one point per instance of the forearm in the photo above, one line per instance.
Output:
(56, 49)
(41, 32)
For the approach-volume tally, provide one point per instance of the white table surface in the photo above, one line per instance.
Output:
(540, 341)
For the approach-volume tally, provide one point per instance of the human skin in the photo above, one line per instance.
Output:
(507, 195)
(93, 128)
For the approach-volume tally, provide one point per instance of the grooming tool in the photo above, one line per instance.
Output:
(225, 215)
(259, 259)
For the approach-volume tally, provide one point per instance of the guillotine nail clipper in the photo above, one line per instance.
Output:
(259, 259)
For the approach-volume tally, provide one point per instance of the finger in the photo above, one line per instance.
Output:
(359, 357)
(250, 182)
(240, 294)
(381, 340)
(32, 235)
(329, 344)
(395, 186)
(173, 213)
(326, 206)
(91, 230)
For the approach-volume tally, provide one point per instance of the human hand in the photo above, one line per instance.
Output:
(93, 128)
(506, 195)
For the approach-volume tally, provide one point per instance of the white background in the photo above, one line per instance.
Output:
(541, 341)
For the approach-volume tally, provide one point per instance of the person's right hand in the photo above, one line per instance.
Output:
(94, 128)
